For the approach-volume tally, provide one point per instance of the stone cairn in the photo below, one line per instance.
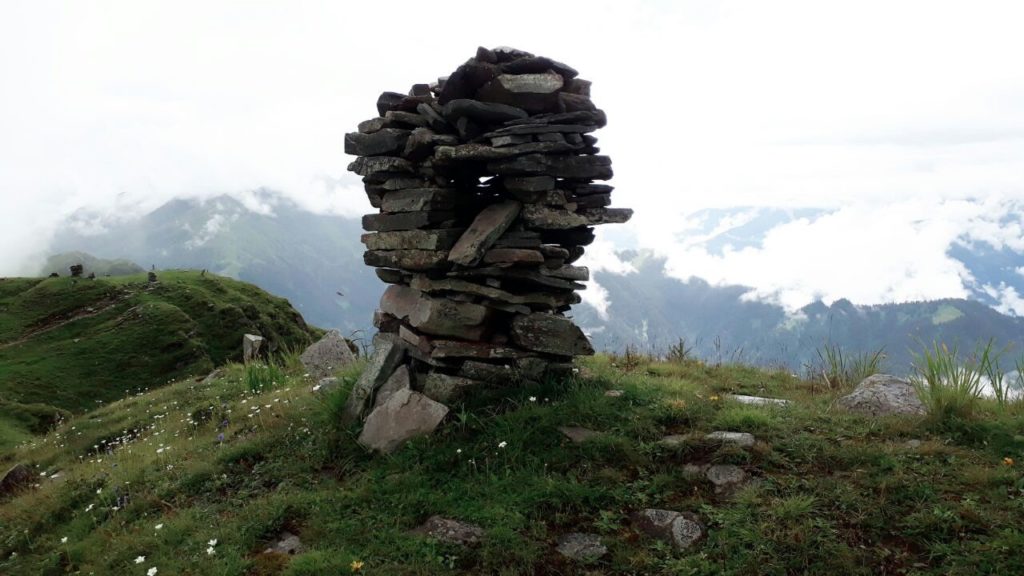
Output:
(485, 182)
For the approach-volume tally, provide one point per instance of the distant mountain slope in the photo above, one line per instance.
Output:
(310, 258)
(61, 264)
(71, 344)
(652, 311)
(313, 260)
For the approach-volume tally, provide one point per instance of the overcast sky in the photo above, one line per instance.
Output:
(906, 117)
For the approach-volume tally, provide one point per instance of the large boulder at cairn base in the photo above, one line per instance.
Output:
(883, 395)
(327, 355)
(405, 415)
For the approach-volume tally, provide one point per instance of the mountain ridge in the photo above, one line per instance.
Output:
(315, 261)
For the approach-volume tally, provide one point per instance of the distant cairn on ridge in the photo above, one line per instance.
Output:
(485, 185)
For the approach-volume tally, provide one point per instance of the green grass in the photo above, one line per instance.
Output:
(832, 492)
(75, 344)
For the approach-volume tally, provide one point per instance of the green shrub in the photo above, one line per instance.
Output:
(679, 352)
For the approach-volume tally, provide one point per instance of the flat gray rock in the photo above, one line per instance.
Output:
(398, 381)
(883, 395)
(486, 112)
(288, 544)
(446, 388)
(757, 400)
(694, 471)
(578, 434)
(582, 547)
(387, 355)
(551, 334)
(382, 141)
(488, 225)
(673, 441)
(405, 415)
(451, 531)
(741, 439)
(681, 529)
(212, 377)
(327, 355)
(725, 477)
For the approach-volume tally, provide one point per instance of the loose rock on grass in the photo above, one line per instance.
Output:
(681, 529)
(451, 531)
(583, 547)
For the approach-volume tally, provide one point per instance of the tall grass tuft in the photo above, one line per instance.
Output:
(679, 352)
(990, 367)
(950, 390)
(840, 371)
(260, 377)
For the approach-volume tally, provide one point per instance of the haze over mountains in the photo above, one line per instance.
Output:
(315, 261)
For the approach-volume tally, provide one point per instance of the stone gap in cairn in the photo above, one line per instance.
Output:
(488, 185)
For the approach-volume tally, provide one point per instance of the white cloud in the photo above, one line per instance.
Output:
(1009, 301)
(867, 253)
(601, 256)
(889, 114)
(213, 226)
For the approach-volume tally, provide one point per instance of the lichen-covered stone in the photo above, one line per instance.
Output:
(883, 395)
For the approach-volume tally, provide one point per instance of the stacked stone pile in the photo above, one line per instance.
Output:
(488, 184)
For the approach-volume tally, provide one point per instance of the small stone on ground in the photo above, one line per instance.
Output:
(451, 531)
(578, 434)
(672, 441)
(741, 439)
(579, 546)
(758, 401)
(288, 544)
(681, 529)
(725, 476)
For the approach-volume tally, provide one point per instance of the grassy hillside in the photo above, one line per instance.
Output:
(75, 344)
(60, 263)
(160, 476)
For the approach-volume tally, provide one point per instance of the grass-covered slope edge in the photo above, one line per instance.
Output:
(163, 474)
(75, 343)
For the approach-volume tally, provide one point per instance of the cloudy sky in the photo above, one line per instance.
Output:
(904, 119)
